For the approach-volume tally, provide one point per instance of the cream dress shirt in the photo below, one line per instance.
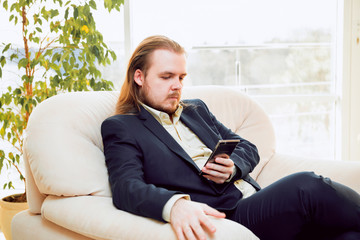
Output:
(194, 147)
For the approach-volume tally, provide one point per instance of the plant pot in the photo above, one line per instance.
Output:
(7, 211)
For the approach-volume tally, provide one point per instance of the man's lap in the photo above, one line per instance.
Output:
(285, 208)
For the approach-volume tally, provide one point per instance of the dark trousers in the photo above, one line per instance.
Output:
(301, 206)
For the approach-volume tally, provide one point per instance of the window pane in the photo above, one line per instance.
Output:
(304, 125)
(265, 69)
(228, 22)
(280, 52)
(114, 38)
(216, 67)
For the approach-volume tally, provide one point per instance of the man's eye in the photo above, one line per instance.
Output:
(165, 77)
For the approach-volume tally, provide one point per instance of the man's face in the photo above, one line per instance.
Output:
(161, 88)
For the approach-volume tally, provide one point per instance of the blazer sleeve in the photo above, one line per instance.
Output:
(245, 155)
(124, 158)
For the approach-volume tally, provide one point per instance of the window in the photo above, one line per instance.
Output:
(280, 52)
(111, 25)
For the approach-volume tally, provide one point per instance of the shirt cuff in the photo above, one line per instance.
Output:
(170, 203)
(232, 175)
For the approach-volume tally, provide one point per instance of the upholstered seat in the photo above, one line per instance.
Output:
(67, 183)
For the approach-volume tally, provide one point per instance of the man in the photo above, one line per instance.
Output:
(155, 148)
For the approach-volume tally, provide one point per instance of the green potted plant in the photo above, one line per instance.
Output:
(61, 52)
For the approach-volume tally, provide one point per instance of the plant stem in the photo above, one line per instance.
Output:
(29, 73)
(26, 46)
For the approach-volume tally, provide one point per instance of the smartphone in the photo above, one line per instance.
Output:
(223, 146)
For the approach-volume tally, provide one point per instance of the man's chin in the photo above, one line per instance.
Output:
(171, 110)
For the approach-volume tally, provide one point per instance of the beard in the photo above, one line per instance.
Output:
(169, 105)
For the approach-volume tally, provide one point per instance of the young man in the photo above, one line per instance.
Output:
(155, 147)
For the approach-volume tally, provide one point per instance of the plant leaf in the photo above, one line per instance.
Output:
(5, 5)
(6, 47)
(2, 157)
(23, 62)
(92, 4)
(76, 13)
(66, 14)
(14, 55)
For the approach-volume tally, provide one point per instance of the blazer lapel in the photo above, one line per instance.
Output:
(200, 129)
(159, 131)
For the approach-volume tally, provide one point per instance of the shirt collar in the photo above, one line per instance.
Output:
(162, 117)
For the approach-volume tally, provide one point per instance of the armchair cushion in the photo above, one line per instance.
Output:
(64, 145)
(26, 225)
(96, 217)
(281, 165)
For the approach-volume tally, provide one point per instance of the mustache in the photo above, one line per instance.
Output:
(174, 94)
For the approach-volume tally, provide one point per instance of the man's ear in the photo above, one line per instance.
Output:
(139, 77)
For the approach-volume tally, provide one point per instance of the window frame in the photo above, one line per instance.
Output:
(348, 133)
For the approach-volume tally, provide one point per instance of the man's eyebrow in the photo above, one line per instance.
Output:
(171, 73)
(166, 73)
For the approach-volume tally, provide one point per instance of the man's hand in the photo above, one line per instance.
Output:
(189, 220)
(221, 170)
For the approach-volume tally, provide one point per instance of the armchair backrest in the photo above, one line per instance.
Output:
(64, 150)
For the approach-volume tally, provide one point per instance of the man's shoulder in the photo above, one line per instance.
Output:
(119, 119)
(193, 103)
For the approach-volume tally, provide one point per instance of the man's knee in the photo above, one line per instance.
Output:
(308, 180)
(319, 185)
(310, 184)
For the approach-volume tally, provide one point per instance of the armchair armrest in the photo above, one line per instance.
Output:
(345, 172)
(97, 218)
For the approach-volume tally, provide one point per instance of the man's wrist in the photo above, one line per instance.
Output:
(170, 203)
(232, 175)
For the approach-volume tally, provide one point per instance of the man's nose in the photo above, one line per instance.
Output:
(177, 84)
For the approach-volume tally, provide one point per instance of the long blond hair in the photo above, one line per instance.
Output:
(128, 101)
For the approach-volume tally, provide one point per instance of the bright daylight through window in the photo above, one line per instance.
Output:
(281, 52)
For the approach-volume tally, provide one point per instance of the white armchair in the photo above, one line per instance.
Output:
(67, 183)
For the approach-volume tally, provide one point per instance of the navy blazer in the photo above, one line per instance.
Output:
(147, 166)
